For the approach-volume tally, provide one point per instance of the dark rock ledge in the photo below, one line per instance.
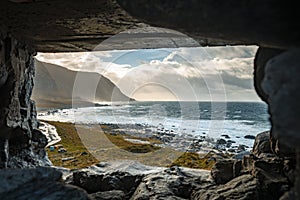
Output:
(38, 183)
(260, 175)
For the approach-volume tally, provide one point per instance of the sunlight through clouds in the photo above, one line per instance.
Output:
(198, 66)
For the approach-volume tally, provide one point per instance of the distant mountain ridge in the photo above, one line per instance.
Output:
(54, 87)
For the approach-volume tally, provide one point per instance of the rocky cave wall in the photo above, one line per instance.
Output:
(276, 80)
(21, 145)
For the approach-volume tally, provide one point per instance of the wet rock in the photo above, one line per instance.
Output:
(232, 150)
(35, 184)
(231, 141)
(242, 147)
(221, 142)
(226, 136)
(251, 137)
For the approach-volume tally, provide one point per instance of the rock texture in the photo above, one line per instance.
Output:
(70, 25)
(260, 175)
(256, 22)
(132, 180)
(262, 56)
(173, 183)
(36, 184)
(262, 143)
(21, 144)
(282, 86)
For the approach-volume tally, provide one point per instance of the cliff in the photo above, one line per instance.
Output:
(54, 86)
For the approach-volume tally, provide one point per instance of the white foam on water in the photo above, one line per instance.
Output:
(236, 128)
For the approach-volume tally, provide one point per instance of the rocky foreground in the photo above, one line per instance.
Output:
(261, 175)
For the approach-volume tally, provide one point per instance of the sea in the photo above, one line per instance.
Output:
(235, 120)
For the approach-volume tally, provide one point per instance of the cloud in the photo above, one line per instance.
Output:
(188, 73)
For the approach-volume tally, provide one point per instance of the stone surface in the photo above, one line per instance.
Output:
(266, 23)
(133, 180)
(39, 183)
(21, 144)
(261, 175)
(262, 56)
(122, 175)
(280, 85)
(222, 171)
(241, 188)
(173, 183)
(108, 195)
(70, 25)
(262, 143)
(263, 180)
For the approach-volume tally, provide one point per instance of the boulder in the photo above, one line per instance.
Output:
(262, 56)
(108, 195)
(250, 137)
(262, 143)
(94, 182)
(175, 183)
(221, 142)
(243, 187)
(133, 180)
(37, 183)
(281, 84)
(123, 176)
(258, 178)
(222, 171)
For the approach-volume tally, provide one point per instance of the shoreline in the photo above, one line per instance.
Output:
(89, 144)
(169, 138)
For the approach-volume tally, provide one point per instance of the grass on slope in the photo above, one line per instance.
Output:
(83, 158)
(72, 143)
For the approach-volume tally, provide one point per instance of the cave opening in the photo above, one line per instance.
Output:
(270, 171)
(197, 101)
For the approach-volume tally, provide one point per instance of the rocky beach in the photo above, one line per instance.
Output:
(260, 174)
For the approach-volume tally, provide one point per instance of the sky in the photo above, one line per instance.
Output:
(184, 74)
